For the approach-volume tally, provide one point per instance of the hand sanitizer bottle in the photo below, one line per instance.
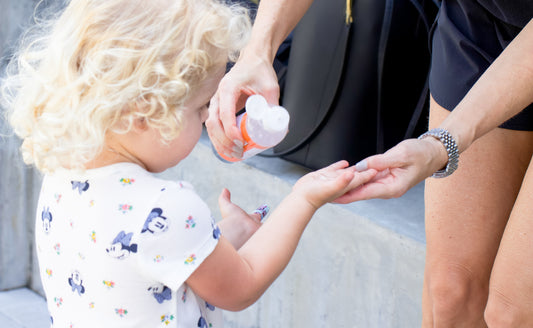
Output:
(262, 126)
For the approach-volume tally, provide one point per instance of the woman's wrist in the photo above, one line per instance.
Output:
(447, 154)
(253, 52)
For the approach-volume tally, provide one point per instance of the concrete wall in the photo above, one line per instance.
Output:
(17, 182)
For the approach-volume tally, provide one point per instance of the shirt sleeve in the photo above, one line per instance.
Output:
(178, 234)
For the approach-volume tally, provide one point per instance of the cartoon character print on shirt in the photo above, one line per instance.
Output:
(161, 293)
(46, 217)
(216, 229)
(209, 306)
(155, 223)
(81, 186)
(202, 323)
(76, 282)
(121, 246)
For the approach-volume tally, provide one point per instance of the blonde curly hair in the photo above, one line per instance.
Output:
(101, 64)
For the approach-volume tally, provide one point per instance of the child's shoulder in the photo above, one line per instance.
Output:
(178, 192)
(178, 185)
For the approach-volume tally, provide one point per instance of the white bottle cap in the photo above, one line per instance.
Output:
(255, 106)
(276, 119)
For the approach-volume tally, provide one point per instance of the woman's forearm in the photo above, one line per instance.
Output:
(502, 91)
(274, 21)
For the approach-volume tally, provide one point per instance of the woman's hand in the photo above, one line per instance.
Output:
(399, 169)
(252, 74)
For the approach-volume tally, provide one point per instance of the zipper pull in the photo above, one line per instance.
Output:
(348, 16)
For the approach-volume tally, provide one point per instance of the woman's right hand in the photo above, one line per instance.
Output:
(252, 74)
(399, 169)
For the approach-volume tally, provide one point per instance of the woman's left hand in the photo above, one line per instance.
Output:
(399, 169)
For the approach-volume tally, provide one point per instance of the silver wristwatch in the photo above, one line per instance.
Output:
(451, 148)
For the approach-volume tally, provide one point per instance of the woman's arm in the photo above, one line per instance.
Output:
(502, 91)
(274, 21)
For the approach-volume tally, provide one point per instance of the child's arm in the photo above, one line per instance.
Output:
(236, 225)
(234, 280)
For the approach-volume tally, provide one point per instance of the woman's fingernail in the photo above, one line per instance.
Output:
(262, 211)
(361, 166)
(238, 143)
(227, 155)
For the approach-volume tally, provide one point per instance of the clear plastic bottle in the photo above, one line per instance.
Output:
(262, 126)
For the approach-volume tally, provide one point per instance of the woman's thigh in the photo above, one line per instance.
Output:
(466, 213)
(511, 284)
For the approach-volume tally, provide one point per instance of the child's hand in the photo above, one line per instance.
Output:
(237, 226)
(329, 183)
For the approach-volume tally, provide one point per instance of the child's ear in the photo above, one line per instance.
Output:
(139, 124)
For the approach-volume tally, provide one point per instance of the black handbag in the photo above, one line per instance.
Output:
(356, 79)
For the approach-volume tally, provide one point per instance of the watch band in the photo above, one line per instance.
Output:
(451, 148)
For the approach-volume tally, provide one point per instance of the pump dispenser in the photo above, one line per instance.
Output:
(262, 126)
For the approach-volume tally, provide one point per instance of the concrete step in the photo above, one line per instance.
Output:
(23, 308)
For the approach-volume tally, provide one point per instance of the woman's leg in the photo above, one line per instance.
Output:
(466, 214)
(511, 284)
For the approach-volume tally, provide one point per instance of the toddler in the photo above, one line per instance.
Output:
(104, 95)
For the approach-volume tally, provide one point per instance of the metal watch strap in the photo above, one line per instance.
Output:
(451, 148)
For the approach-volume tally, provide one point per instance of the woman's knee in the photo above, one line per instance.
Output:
(456, 294)
(503, 312)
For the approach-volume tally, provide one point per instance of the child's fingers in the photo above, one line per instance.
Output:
(352, 190)
(224, 198)
(380, 186)
(338, 165)
(350, 196)
(337, 171)
(360, 178)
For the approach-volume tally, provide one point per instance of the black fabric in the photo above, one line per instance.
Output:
(513, 12)
(467, 39)
(351, 89)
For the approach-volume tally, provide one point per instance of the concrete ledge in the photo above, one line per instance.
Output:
(23, 308)
(357, 265)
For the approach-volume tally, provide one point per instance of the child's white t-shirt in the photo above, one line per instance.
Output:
(116, 245)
